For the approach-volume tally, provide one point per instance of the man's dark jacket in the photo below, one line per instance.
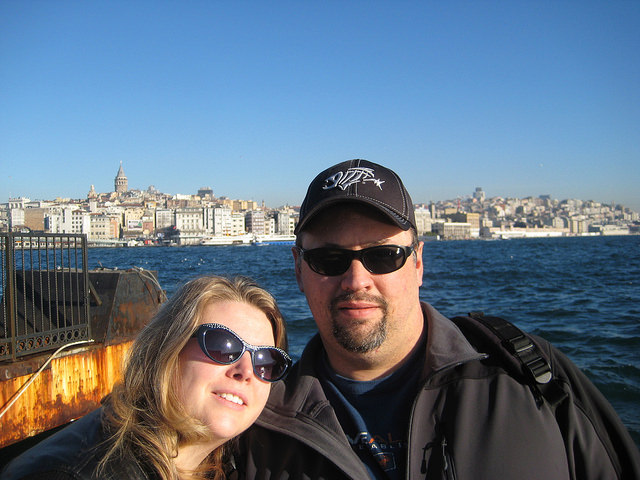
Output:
(470, 421)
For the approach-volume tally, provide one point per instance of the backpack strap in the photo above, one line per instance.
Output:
(527, 360)
(515, 351)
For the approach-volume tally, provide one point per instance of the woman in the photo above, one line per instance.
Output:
(193, 380)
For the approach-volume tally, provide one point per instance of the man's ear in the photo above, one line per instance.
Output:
(419, 263)
(297, 261)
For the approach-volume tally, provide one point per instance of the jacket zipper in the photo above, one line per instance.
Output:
(448, 465)
(449, 470)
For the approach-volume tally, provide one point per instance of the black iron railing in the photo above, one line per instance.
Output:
(45, 292)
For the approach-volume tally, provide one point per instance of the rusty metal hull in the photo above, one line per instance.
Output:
(74, 381)
(70, 387)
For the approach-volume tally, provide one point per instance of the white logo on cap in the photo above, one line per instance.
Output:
(343, 180)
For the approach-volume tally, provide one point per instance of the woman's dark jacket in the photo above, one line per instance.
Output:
(73, 453)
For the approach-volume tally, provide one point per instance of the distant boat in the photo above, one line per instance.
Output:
(227, 239)
(274, 239)
(248, 239)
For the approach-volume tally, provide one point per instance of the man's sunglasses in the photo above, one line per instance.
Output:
(223, 346)
(336, 261)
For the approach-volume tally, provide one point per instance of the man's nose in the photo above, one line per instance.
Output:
(356, 278)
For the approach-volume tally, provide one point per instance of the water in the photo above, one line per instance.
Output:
(582, 294)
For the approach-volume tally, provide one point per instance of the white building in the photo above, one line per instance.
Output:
(16, 217)
(452, 230)
(20, 202)
(285, 222)
(423, 220)
(68, 220)
(165, 218)
(190, 220)
(237, 224)
(218, 220)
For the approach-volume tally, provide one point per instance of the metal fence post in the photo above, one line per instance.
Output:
(9, 294)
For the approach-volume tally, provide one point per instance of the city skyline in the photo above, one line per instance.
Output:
(121, 176)
(520, 98)
(133, 217)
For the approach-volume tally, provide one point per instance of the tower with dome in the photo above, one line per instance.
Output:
(121, 182)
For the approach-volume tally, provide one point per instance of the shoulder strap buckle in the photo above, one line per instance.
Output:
(534, 364)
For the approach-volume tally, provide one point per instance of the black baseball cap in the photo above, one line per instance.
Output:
(359, 181)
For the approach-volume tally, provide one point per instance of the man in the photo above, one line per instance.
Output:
(390, 388)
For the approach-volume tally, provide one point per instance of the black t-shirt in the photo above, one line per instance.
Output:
(375, 414)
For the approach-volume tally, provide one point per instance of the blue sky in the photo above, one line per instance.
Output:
(253, 99)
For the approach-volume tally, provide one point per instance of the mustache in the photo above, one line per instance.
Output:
(359, 297)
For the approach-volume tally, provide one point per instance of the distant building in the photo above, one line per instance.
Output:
(285, 223)
(67, 219)
(20, 202)
(205, 192)
(450, 211)
(578, 226)
(165, 218)
(452, 230)
(237, 224)
(121, 182)
(132, 220)
(473, 219)
(16, 217)
(423, 220)
(218, 220)
(34, 219)
(479, 194)
(243, 205)
(610, 229)
(104, 226)
(255, 221)
(190, 220)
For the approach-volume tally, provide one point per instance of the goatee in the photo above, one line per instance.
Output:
(350, 335)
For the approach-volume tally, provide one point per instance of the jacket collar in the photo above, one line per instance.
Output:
(446, 344)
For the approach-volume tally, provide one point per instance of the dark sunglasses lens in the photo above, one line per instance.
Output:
(383, 259)
(328, 262)
(222, 346)
(269, 363)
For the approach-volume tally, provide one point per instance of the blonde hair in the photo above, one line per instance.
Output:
(146, 417)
